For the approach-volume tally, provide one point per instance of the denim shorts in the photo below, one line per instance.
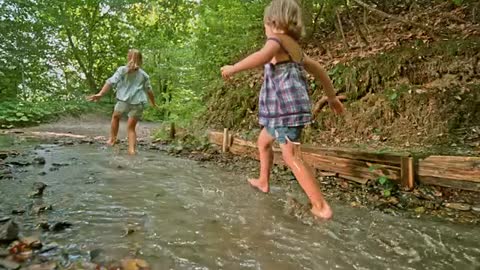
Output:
(133, 110)
(284, 134)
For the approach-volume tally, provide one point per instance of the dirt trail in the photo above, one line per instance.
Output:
(93, 126)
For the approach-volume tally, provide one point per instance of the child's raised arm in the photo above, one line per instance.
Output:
(102, 92)
(254, 60)
(314, 68)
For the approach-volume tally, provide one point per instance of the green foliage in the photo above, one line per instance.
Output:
(387, 185)
(19, 114)
(458, 2)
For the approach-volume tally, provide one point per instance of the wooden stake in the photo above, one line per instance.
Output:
(225, 140)
(407, 173)
(172, 130)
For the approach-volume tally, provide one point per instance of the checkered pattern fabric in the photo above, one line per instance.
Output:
(284, 100)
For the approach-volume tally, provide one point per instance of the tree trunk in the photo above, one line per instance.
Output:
(340, 28)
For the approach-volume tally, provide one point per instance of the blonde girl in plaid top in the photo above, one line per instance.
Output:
(284, 105)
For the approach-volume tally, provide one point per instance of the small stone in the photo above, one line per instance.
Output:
(459, 206)
(19, 163)
(134, 264)
(18, 212)
(60, 226)
(60, 164)
(42, 173)
(9, 265)
(42, 208)
(476, 208)
(38, 187)
(32, 242)
(420, 210)
(44, 226)
(49, 247)
(39, 161)
(393, 200)
(9, 231)
(128, 231)
(4, 219)
(43, 266)
(53, 169)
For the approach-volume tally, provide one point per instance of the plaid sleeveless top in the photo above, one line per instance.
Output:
(284, 100)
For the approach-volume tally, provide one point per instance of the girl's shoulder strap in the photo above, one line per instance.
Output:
(281, 46)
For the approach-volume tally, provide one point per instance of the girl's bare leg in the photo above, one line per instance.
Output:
(132, 135)
(264, 144)
(292, 156)
(114, 128)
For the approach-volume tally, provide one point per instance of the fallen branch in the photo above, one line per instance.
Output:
(430, 31)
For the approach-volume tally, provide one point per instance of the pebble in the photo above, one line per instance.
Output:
(9, 231)
(4, 219)
(39, 161)
(476, 208)
(459, 206)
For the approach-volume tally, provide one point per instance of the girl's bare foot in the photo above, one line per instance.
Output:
(132, 152)
(260, 185)
(324, 212)
(111, 142)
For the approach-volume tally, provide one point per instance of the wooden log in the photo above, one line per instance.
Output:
(448, 167)
(440, 181)
(407, 173)
(380, 158)
(351, 167)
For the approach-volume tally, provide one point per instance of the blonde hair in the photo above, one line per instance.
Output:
(285, 15)
(134, 60)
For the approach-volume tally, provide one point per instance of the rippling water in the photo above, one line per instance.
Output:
(188, 215)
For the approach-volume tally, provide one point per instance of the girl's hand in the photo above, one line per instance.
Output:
(94, 98)
(227, 71)
(336, 105)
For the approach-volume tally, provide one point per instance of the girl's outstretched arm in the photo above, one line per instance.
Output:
(102, 92)
(314, 68)
(151, 97)
(254, 60)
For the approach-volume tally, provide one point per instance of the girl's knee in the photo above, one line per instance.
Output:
(263, 146)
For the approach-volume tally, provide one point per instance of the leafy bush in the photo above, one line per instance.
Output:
(15, 113)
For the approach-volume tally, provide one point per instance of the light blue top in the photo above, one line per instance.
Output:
(131, 87)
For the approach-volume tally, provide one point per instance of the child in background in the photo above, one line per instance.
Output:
(284, 105)
(133, 86)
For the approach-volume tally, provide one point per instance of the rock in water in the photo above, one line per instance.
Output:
(60, 226)
(4, 219)
(9, 231)
(39, 161)
(38, 187)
